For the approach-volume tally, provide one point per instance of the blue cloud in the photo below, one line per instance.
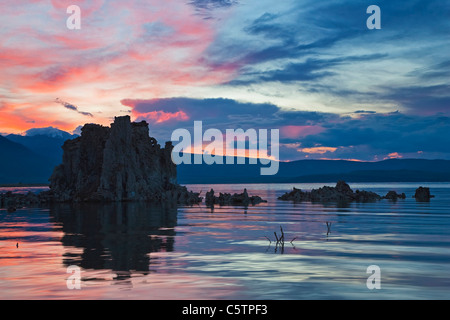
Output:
(322, 45)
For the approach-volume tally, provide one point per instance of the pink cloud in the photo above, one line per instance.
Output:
(394, 155)
(154, 116)
(113, 55)
(88, 7)
(161, 116)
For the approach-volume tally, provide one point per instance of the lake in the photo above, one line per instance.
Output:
(143, 251)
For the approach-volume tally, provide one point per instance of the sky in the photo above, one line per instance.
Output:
(312, 69)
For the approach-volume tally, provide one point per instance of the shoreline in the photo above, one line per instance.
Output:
(341, 192)
(24, 185)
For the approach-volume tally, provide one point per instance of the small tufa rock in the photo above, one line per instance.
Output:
(226, 199)
(344, 188)
(341, 193)
(13, 201)
(392, 195)
(210, 199)
(423, 194)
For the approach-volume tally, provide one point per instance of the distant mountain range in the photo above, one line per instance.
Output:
(393, 170)
(31, 158)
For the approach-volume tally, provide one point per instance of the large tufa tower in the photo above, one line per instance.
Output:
(117, 163)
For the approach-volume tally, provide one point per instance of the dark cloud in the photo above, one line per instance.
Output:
(214, 110)
(313, 69)
(364, 111)
(212, 4)
(392, 132)
(205, 8)
(268, 27)
(72, 107)
(291, 30)
(438, 71)
(423, 99)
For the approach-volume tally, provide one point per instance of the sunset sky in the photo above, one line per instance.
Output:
(311, 69)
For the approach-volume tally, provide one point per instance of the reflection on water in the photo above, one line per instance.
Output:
(143, 251)
(118, 237)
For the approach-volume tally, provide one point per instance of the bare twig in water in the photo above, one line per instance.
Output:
(282, 235)
(328, 227)
(279, 240)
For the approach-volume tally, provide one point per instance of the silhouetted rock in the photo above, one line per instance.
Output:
(341, 193)
(423, 194)
(365, 196)
(12, 201)
(210, 199)
(120, 163)
(225, 199)
(392, 195)
(343, 188)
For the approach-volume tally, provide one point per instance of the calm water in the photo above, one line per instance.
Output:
(136, 251)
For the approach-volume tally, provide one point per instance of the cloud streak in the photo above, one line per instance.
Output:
(72, 107)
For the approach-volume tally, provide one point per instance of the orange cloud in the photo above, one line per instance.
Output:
(394, 155)
(224, 151)
(116, 54)
(17, 118)
(317, 150)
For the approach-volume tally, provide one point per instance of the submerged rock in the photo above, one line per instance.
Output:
(228, 199)
(392, 195)
(423, 194)
(120, 163)
(210, 199)
(341, 193)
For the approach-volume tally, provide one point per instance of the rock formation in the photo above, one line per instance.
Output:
(13, 201)
(423, 194)
(120, 163)
(392, 195)
(341, 193)
(225, 199)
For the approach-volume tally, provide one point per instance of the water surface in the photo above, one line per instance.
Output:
(140, 251)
